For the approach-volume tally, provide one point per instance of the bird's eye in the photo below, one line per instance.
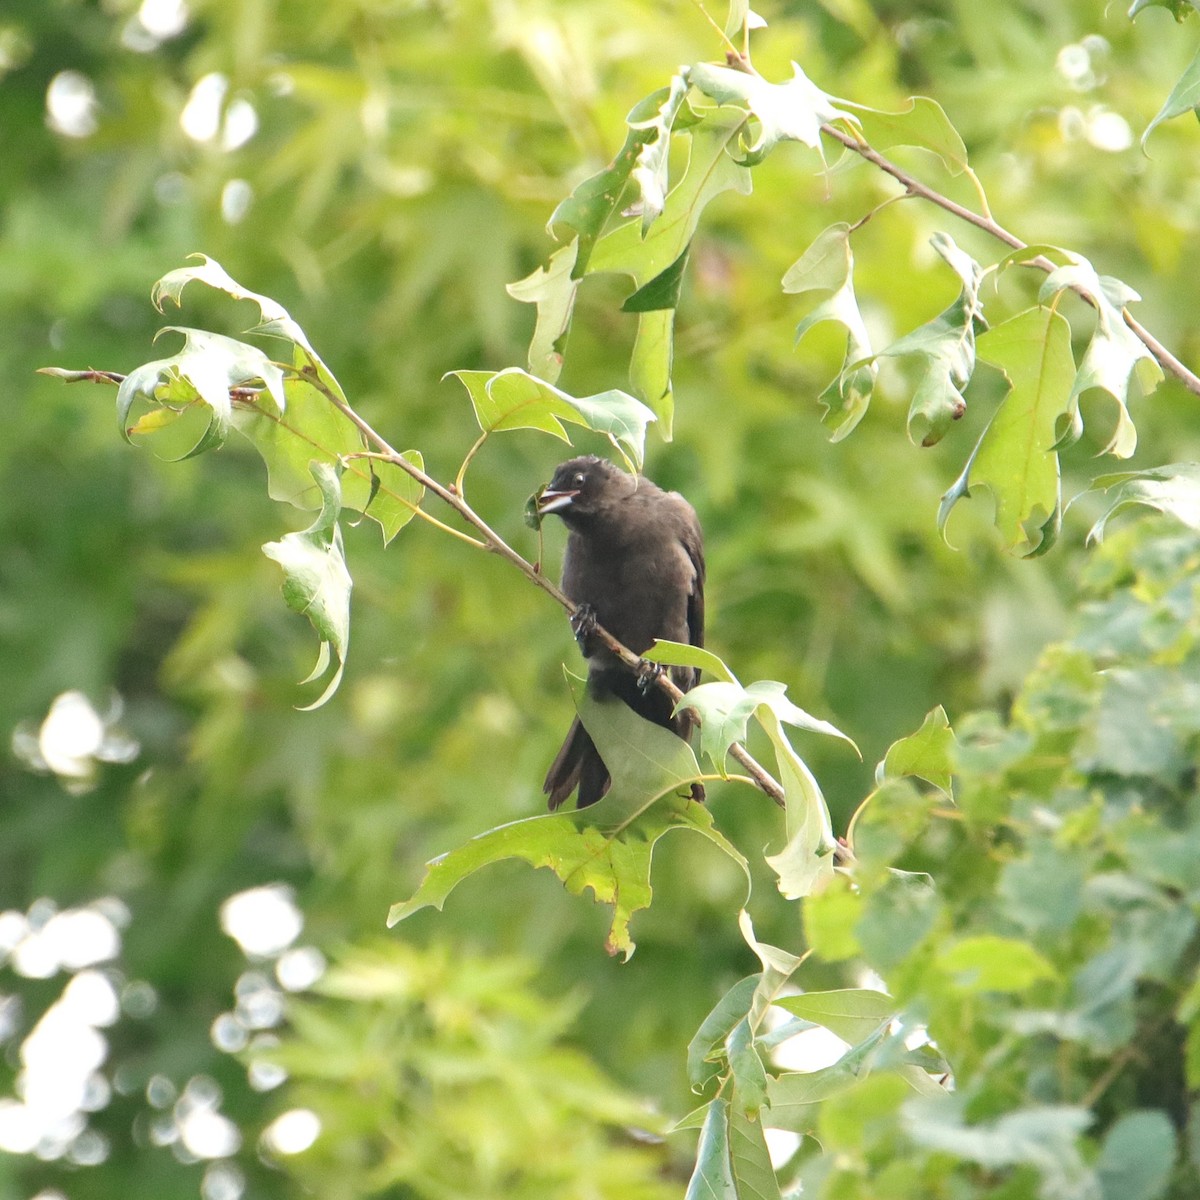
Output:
(580, 479)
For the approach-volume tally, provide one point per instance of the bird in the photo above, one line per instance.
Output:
(634, 564)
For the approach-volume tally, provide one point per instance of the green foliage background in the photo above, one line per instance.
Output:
(406, 159)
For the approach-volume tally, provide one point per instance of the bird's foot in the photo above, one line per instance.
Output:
(647, 674)
(583, 625)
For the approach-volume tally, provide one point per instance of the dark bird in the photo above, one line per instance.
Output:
(634, 564)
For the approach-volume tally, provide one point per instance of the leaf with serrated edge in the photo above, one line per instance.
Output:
(794, 110)
(316, 582)
(606, 847)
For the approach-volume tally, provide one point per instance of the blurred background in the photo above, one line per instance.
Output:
(197, 993)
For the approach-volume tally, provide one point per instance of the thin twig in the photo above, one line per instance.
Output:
(914, 187)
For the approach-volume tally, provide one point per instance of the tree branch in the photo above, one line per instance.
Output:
(914, 187)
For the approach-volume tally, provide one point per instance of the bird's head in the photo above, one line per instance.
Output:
(580, 487)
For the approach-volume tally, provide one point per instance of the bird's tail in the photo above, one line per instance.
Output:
(577, 763)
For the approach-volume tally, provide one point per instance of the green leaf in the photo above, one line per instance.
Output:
(928, 753)
(1043, 1137)
(805, 863)
(552, 288)
(397, 496)
(514, 399)
(923, 124)
(749, 1074)
(828, 265)
(852, 1013)
(795, 1097)
(661, 292)
(682, 654)
(607, 847)
(947, 343)
(1137, 1157)
(1172, 489)
(316, 582)
(1016, 457)
(311, 429)
(990, 963)
(274, 320)
(725, 708)
(709, 172)
(712, 1178)
(753, 1176)
(1179, 9)
(716, 1028)
(650, 170)
(590, 206)
(207, 367)
(1113, 355)
(794, 110)
(1184, 97)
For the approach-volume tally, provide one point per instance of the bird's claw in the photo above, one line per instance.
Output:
(583, 624)
(647, 674)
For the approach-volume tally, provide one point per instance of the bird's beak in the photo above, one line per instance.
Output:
(552, 502)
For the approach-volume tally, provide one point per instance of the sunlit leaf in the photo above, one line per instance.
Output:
(725, 708)
(1172, 489)
(514, 399)
(650, 170)
(397, 495)
(794, 110)
(207, 367)
(1114, 354)
(828, 265)
(923, 124)
(681, 654)
(990, 963)
(746, 1066)
(852, 1013)
(316, 582)
(310, 429)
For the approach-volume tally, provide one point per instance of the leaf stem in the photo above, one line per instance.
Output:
(460, 478)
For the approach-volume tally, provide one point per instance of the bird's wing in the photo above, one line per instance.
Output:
(693, 543)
